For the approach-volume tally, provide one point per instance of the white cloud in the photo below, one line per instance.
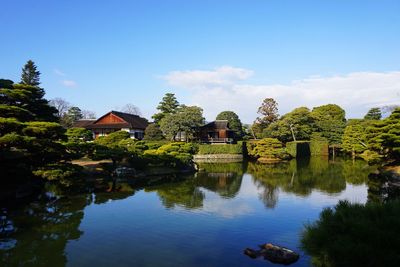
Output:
(225, 75)
(69, 83)
(59, 72)
(355, 92)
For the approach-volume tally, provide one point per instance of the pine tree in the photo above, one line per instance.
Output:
(373, 114)
(168, 105)
(30, 74)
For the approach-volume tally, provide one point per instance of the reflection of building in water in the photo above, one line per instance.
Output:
(226, 184)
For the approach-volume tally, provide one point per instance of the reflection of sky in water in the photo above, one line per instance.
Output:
(232, 213)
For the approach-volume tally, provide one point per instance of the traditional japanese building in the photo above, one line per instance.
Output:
(216, 132)
(115, 121)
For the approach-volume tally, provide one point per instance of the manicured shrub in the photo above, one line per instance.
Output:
(268, 148)
(319, 148)
(221, 149)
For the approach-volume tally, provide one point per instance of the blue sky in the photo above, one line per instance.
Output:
(100, 55)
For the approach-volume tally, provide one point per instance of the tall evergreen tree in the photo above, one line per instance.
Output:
(30, 75)
(168, 105)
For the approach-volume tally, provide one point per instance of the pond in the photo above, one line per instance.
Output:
(205, 219)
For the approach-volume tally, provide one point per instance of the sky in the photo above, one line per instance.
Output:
(220, 55)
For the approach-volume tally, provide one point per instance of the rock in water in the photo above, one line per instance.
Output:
(273, 253)
(251, 253)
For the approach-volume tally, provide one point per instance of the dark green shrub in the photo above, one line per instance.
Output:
(355, 235)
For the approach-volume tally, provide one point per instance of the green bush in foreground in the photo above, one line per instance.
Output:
(355, 235)
(221, 149)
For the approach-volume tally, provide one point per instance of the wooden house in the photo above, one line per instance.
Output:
(216, 132)
(115, 121)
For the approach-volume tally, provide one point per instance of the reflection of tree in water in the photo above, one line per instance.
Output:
(379, 188)
(108, 191)
(303, 176)
(225, 178)
(356, 171)
(183, 193)
(269, 196)
(43, 230)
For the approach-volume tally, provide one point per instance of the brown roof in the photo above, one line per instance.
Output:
(217, 124)
(82, 123)
(134, 120)
(109, 126)
(131, 121)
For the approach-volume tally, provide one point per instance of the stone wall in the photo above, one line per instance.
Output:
(218, 158)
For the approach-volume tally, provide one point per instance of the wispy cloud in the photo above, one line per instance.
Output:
(69, 83)
(225, 75)
(59, 72)
(227, 87)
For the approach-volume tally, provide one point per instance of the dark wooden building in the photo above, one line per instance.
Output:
(115, 121)
(216, 132)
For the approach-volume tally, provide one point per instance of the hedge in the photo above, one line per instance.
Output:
(306, 148)
(221, 149)
(319, 148)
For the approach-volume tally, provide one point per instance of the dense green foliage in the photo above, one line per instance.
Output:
(355, 235)
(153, 132)
(234, 122)
(168, 105)
(355, 137)
(267, 148)
(298, 124)
(329, 121)
(119, 147)
(186, 120)
(384, 136)
(319, 148)
(221, 149)
(31, 143)
(77, 144)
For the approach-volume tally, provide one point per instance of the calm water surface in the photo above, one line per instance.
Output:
(206, 219)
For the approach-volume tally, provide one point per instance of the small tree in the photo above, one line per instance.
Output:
(108, 147)
(153, 132)
(73, 114)
(373, 114)
(30, 75)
